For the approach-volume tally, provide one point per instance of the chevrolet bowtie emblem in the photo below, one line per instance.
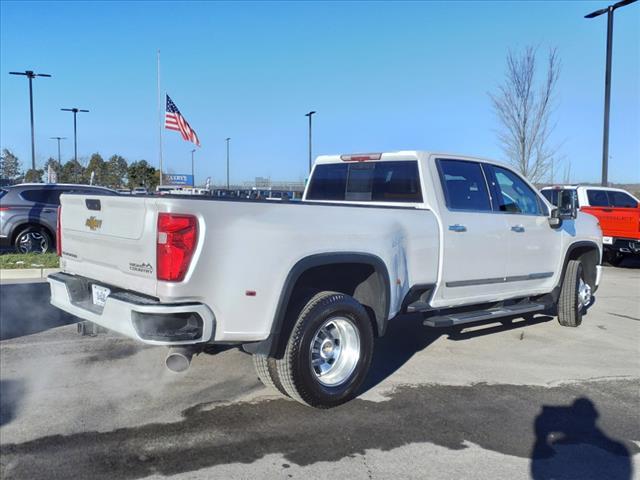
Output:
(93, 223)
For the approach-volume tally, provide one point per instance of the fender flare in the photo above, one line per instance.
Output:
(574, 246)
(271, 345)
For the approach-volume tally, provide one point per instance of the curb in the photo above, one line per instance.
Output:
(26, 273)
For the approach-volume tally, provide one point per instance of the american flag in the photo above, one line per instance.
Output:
(173, 120)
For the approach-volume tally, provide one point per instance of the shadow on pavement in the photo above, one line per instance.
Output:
(406, 336)
(497, 418)
(563, 432)
(25, 309)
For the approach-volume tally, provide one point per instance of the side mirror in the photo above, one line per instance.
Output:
(567, 205)
(567, 208)
(554, 219)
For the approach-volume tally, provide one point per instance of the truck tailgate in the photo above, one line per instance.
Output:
(110, 239)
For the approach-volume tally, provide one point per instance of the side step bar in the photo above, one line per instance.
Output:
(462, 318)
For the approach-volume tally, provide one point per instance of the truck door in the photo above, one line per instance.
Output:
(617, 212)
(534, 247)
(475, 238)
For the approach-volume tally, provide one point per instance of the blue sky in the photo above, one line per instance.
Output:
(382, 76)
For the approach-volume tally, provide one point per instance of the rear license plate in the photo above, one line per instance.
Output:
(607, 240)
(99, 294)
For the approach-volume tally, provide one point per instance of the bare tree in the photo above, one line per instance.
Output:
(523, 109)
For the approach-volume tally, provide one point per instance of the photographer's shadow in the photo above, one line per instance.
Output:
(569, 445)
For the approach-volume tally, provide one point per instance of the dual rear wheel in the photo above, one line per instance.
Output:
(328, 354)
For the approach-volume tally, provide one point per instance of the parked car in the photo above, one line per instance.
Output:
(306, 286)
(140, 191)
(28, 214)
(617, 210)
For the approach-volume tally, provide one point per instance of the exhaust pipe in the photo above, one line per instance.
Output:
(179, 359)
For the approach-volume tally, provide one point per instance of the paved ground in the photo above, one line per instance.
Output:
(532, 401)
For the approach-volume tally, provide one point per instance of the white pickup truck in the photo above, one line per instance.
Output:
(306, 286)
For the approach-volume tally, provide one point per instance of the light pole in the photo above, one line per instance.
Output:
(227, 140)
(193, 171)
(75, 129)
(30, 74)
(607, 82)
(310, 114)
(58, 139)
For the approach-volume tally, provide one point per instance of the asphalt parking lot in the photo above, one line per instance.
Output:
(529, 400)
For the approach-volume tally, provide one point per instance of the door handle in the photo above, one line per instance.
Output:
(517, 228)
(457, 228)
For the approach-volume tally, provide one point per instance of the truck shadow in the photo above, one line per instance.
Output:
(564, 435)
(406, 336)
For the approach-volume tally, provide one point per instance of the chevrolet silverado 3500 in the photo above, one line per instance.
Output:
(306, 286)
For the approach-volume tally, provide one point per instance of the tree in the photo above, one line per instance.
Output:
(9, 165)
(141, 174)
(71, 172)
(55, 167)
(98, 167)
(116, 171)
(33, 176)
(524, 111)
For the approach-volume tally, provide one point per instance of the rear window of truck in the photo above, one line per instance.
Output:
(397, 181)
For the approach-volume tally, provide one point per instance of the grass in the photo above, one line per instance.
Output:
(13, 261)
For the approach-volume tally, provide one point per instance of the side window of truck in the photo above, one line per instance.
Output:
(512, 194)
(622, 200)
(552, 196)
(464, 185)
(598, 198)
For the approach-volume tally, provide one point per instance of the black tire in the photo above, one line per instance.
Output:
(325, 311)
(33, 240)
(570, 309)
(267, 372)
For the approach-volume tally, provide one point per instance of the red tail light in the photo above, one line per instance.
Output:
(177, 240)
(59, 233)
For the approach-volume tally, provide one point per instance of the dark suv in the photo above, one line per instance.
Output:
(28, 214)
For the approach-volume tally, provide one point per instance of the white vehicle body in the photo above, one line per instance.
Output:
(248, 252)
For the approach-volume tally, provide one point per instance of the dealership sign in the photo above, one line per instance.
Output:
(177, 179)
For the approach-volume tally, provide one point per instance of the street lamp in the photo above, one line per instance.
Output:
(310, 158)
(193, 172)
(75, 129)
(227, 140)
(30, 74)
(58, 139)
(607, 81)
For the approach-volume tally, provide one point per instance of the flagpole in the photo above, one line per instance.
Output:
(159, 118)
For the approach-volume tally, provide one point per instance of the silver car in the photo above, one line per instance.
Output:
(28, 214)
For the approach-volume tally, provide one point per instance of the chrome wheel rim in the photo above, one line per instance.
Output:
(584, 294)
(32, 242)
(335, 351)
